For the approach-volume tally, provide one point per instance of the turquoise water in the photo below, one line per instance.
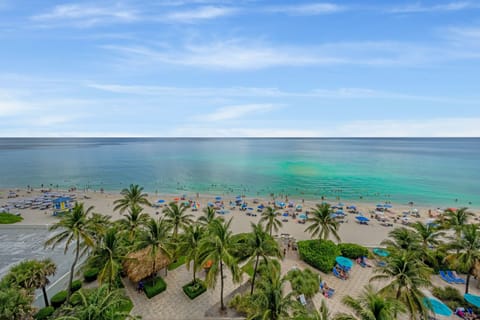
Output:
(426, 171)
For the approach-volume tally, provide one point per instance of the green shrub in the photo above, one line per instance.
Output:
(175, 264)
(44, 313)
(58, 299)
(194, 289)
(243, 304)
(75, 299)
(154, 286)
(8, 218)
(319, 254)
(76, 285)
(352, 250)
(91, 274)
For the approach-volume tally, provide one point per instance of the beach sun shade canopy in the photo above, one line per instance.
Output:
(388, 206)
(437, 307)
(218, 198)
(362, 219)
(161, 201)
(352, 207)
(381, 252)
(472, 299)
(285, 214)
(344, 262)
(303, 216)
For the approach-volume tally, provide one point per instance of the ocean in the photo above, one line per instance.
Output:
(439, 172)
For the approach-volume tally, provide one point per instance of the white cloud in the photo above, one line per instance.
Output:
(307, 9)
(200, 13)
(445, 7)
(235, 112)
(86, 15)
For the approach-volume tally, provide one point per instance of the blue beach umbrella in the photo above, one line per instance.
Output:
(210, 204)
(218, 198)
(285, 214)
(303, 216)
(362, 219)
(472, 299)
(381, 252)
(379, 205)
(344, 262)
(333, 215)
(261, 206)
(352, 207)
(250, 209)
(161, 201)
(437, 307)
(340, 212)
(340, 204)
(388, 206)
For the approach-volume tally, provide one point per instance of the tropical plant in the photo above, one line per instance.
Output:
(407, 275)
(428, 234)
(371, 305)
(133, 196)
(456, 219)
(403, 239)
(190, 245)
(323, 224)
(133, 221)
(76, 227)
(208, 216)
(304, 282)
(31, 274)
(260, 244)
(97, 304)
(467, 251)
(176, 216)
(270, 217)
(321, 314)
(217, 249)
(15, 304)
(156, 238)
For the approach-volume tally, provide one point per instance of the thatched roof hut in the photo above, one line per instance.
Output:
(139, 264)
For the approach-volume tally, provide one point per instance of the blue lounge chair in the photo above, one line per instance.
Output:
(336, 274)
(445, 277)
(454, 278)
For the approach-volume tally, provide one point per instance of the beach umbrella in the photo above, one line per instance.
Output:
(352, 207)
(210, 204)
(472, 299)
(261, 206)
(250, 209)
(388, 206)
(340, 204)
(437, 307)
(244, 205)
(334, 207)
(379, 206)
(344, 262)
(303, 216)
(218, 198)
(161, 201)
(381, 252)
(340, 212)
(362, 219)
(285, 214)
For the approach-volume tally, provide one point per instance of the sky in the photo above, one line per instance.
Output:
(239, 68)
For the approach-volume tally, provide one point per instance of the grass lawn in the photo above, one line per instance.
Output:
(8, 218)
(174, 265)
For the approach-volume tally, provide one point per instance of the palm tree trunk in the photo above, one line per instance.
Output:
(45, 297)
(222, 307)
(254, 274)
(468, 282)
(72, 269)
(194, 269)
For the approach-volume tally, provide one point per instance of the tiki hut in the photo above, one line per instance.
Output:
(139, 264)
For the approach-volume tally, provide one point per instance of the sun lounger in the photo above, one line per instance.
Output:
(336, 274)
(302, 299)
(445, 277)
(455, 278)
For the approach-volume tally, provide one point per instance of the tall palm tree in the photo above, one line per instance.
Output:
(407, 275)
(371, 305)
(456, 219)
(218, 248)
(133, 221)
(208, 216)
(31, 274)
(190, 245)
(132, 196)
(403, 239)
(428, 234)
(97, 304)
(260, 245)
(156, 238)
(322, 222)
(75, 227)
(177, 217)
(108, 256)
(467, 251)
(270, 216)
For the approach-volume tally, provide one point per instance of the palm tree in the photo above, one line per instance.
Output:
(321, 314)
(407, 275)
(218, 249)
(260, 245)
(371, 306)
(467, 251)
(428, 234)
(403, 239)
(133, 221)
(97, 304)
(190, 244)
(131, 197)
(156, 238)
(16, 304)
(176, 216)
(323, 222)
(31, 274)
(304, 282)
(108, 256)
(76, 228)
(270, 216)
(456, 219)
(208, 216)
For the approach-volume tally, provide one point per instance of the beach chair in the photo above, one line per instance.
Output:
(336, 274)
(445, 277)
(302, 299)
(455, 278)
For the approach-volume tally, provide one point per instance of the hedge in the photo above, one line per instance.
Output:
(320, 254)
(174, 265)
(58, 299)
(154, 286)
(44, 313)
(91, 274)
(352, 250)
(76, 285)
(194, 289)
(8, 218)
